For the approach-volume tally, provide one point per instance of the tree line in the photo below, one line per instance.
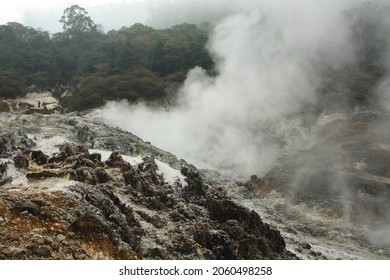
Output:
(141, 62)
(132, 62)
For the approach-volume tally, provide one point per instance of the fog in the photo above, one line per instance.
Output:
(165, 13)
(269, 58)
(383, 87)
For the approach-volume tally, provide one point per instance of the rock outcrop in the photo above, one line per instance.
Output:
(73, 204)
(337, 190)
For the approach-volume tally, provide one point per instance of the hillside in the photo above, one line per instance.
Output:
(265, 135)
(72, 188)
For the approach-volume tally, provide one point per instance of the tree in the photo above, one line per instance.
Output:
(11, 84)
(76, 20)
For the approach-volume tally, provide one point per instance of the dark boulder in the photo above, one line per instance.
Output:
(222, 209)
(71, 149)
(102, 175)
(195, 190)
(39, 157)
(133, 178)
(216, 241)
(43, 251)
(21, 160)
(148, 164)
(116, 161)
(95, 157)
(68, 150)
(89, 224)
(28, 206)
(3, 169)
(86, 175)
(119, 216)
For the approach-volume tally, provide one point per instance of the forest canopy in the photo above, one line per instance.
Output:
(84, 55)
(140, 62)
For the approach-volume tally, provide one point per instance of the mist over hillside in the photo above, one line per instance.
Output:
(299, 96)
(285, 108)
(271, 63)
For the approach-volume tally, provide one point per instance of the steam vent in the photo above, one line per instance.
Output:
(195, 130)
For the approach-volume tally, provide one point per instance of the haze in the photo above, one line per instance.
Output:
(269, 56)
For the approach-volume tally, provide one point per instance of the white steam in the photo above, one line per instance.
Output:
(383, 92)
(383, 87)
(165, 13)
(269, 63)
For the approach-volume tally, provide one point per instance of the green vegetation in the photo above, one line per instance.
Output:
(136, 62)
(134, 85)
(11, 84)
(143, 63)
(76, 20)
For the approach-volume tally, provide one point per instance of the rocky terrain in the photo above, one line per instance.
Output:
(72, 188)
(337, 190)
(351, 163)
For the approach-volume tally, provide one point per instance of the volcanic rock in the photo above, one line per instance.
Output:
(30, 207)
(43, 251)
(21, 160)
(39, 157)
(83, 207)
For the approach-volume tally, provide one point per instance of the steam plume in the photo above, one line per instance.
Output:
(269, 59)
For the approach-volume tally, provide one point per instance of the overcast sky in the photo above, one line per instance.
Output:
(112, 14)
